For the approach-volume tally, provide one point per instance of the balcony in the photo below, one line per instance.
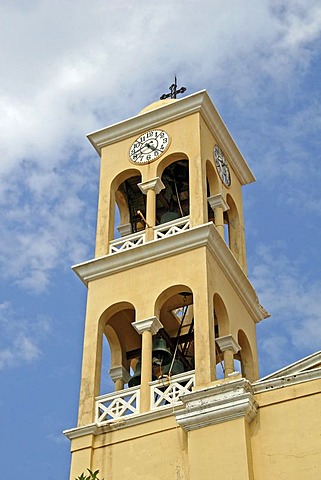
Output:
(164, 393)
(160, 231)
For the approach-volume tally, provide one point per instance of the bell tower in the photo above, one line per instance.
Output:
(168, 290)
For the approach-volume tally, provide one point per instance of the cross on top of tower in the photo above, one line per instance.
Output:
(173, 91)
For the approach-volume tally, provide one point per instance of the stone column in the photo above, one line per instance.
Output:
(119, 376)
(151, 188)
(219, 206)
(229, 346)
(147, 328)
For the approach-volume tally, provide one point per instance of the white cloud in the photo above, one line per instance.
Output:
(294, 302)
(20, 338)
(85, 64)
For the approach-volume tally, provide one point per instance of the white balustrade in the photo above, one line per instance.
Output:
(125, 243)
(171, 228)
(117, 405)
(166, 392)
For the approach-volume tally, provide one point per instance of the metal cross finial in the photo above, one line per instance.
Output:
(174, 91)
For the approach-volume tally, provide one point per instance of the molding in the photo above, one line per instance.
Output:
(198, 102)
(218, 201)
(286, 381)
(109, 426)
(200, 236)
(301, 366)
(76, 432)
(152, 184)
(228, 342)
(217, 404)
(119, 373)
(151, 324)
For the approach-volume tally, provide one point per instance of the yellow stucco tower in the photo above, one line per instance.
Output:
(168, 289)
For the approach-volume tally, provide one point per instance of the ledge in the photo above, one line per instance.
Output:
(200, 236)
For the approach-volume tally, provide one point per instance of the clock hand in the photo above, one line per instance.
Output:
(150, 146)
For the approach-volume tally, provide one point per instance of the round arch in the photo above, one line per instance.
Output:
(246, 356)
(173, 200)
(221, 317)
(126, 195)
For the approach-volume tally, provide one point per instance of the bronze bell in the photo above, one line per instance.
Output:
(161, 354)
(135, 379)
(177, 368)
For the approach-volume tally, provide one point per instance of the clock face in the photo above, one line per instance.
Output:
(149, 146)
(222, 166)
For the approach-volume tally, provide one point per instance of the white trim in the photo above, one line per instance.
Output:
(218, 201)
(286, 381)
(151, 324)
(203, 235)
(217, 404)
(99, 428)
(228, 342)
(198, 102)
(119, 373)
(152, 184)
(301, 366)
(125, 229)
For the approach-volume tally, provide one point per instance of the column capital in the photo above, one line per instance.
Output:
(150, 324)
(228, 342)
(218, 201)
(119, 373)
(153, 184)
(125, 229)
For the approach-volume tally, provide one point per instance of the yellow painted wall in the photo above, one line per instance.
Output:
(282, 442)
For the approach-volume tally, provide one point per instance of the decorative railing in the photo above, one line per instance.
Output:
(117, 404)
(171, 228)
(165, 392)
(125, 243)
(160, 231)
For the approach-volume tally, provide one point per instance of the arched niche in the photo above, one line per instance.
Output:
(245, 356)
(116, 325)
(213, 187)
(128, 200)
(174, 308)
(235, 235)
(221, 318)
(173, 200)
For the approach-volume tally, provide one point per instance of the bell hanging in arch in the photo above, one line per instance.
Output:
(136, 378)
(161, 354)
(177, 368)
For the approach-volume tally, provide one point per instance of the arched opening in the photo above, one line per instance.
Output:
(232, 220)
(221, 319)
(245, 356)
(129, 203)
(175, 310)
(123, 340)
(213, 188)
(173, 200)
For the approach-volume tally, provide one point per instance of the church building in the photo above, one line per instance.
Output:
(168, 290)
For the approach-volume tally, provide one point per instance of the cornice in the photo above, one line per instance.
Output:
(262, 386)
(203, 235)
(217, 404)
(130, 421)
(198, 102)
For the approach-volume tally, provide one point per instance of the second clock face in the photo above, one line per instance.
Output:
(222, 166)
(149, 146)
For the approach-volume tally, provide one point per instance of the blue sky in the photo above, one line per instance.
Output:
(71, 67)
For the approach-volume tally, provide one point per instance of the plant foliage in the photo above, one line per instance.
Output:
(91, 476)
